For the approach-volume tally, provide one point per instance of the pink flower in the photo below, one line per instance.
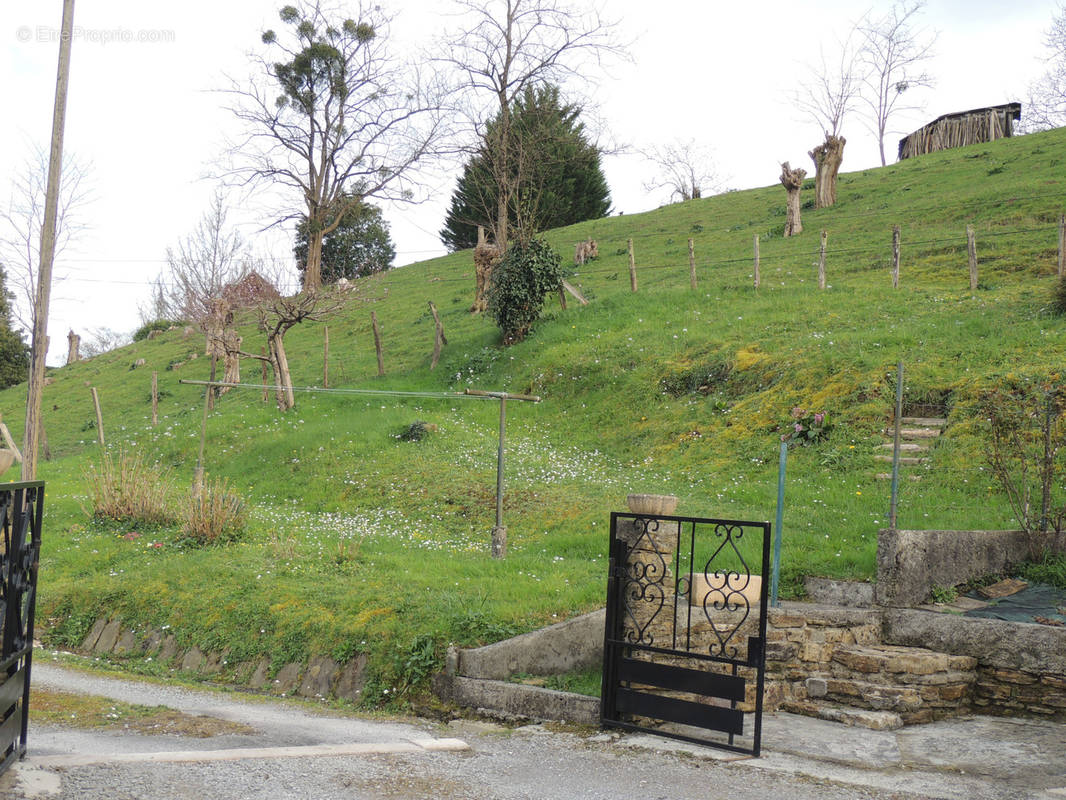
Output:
(797, 427)
(797, 412)
(819, 418)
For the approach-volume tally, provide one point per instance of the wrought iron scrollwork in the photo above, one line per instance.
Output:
(644, 583)
(726, 591)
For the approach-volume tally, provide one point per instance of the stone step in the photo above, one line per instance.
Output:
(893, 659)
(887, 476)
(856, 717)
(924, 422)
(907, 461)
(915, 433)
(905, 447)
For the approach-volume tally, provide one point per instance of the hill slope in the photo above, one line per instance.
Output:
(360, 541)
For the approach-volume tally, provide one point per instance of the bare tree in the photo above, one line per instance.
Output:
(199, 267)
(828, 97)
(103, 340)
(21, 221)
(507, 47)
(792, 180)
(275, 320)
(1047, 96)
(684, 167)
(892, 54)
(332, 117)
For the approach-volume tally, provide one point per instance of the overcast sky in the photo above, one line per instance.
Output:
(143, 110)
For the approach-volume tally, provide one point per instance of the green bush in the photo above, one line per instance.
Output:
(527, 272)
(155, 325)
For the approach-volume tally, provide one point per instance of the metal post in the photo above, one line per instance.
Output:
(776, 574)
(895, 448)
(499, 533)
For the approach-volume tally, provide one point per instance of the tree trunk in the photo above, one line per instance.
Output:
(279, 364)
(792, 180)
(313, 268)
(232, 361)
(827, 157)
(486, 256)
(73, 343)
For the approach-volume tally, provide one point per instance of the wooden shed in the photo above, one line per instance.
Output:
(960, 129)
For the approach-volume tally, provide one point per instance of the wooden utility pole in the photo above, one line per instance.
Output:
(821, 261)
(39, 348)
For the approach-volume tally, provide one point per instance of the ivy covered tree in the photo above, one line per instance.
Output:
(528, 271)
(554, 176)
(14, 352)
(360, 245)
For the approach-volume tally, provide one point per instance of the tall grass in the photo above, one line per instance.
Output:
(125, 488)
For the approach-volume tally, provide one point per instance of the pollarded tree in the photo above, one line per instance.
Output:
(334, 118)
(554, 171)
(528, 271)
(360, 245)
(831, 93)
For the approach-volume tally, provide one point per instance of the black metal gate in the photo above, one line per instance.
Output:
(684, 644)
(21, 509)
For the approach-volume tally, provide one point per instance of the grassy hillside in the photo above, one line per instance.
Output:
(360, 541)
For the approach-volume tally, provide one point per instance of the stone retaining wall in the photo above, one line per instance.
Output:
(320, 677)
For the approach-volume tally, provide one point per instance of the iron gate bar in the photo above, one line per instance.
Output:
(645, 579)
(21, 516)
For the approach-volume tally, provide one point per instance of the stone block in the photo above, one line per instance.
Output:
(261, 674)
(94, 635)
(813, 652)
(321, 671)
(168, 649)
(287, 679)
(782, 619)
(860, 659)
(153, 639)
(192, 660)
(816, 687)
(1055, 681)
(992, 691)
(916, 662)
(781, 651)
(1013, 676)
(127, 644)
(108, 637)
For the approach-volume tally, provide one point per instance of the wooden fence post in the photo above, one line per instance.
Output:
(439, 338)
(325, 357)
(155, 399)
(756, 246)
(99, 417)
(895, 256)
(971, 252)
(821, 261)
(1062, 245)
(692, 264)
(632, 268)
(377, 343)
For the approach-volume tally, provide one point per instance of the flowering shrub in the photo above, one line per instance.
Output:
(806, 427)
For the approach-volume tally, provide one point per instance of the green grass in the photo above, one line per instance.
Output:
(359, 541)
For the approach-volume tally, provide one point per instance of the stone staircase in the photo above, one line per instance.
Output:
(917, 436)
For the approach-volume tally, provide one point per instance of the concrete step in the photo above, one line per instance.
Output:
(916, 433)
(906, 461)
(856, 717)
(924, 422)
(894, 659)
(905, 447)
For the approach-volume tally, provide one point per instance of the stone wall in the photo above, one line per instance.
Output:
(320, 677)
(911, 563)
